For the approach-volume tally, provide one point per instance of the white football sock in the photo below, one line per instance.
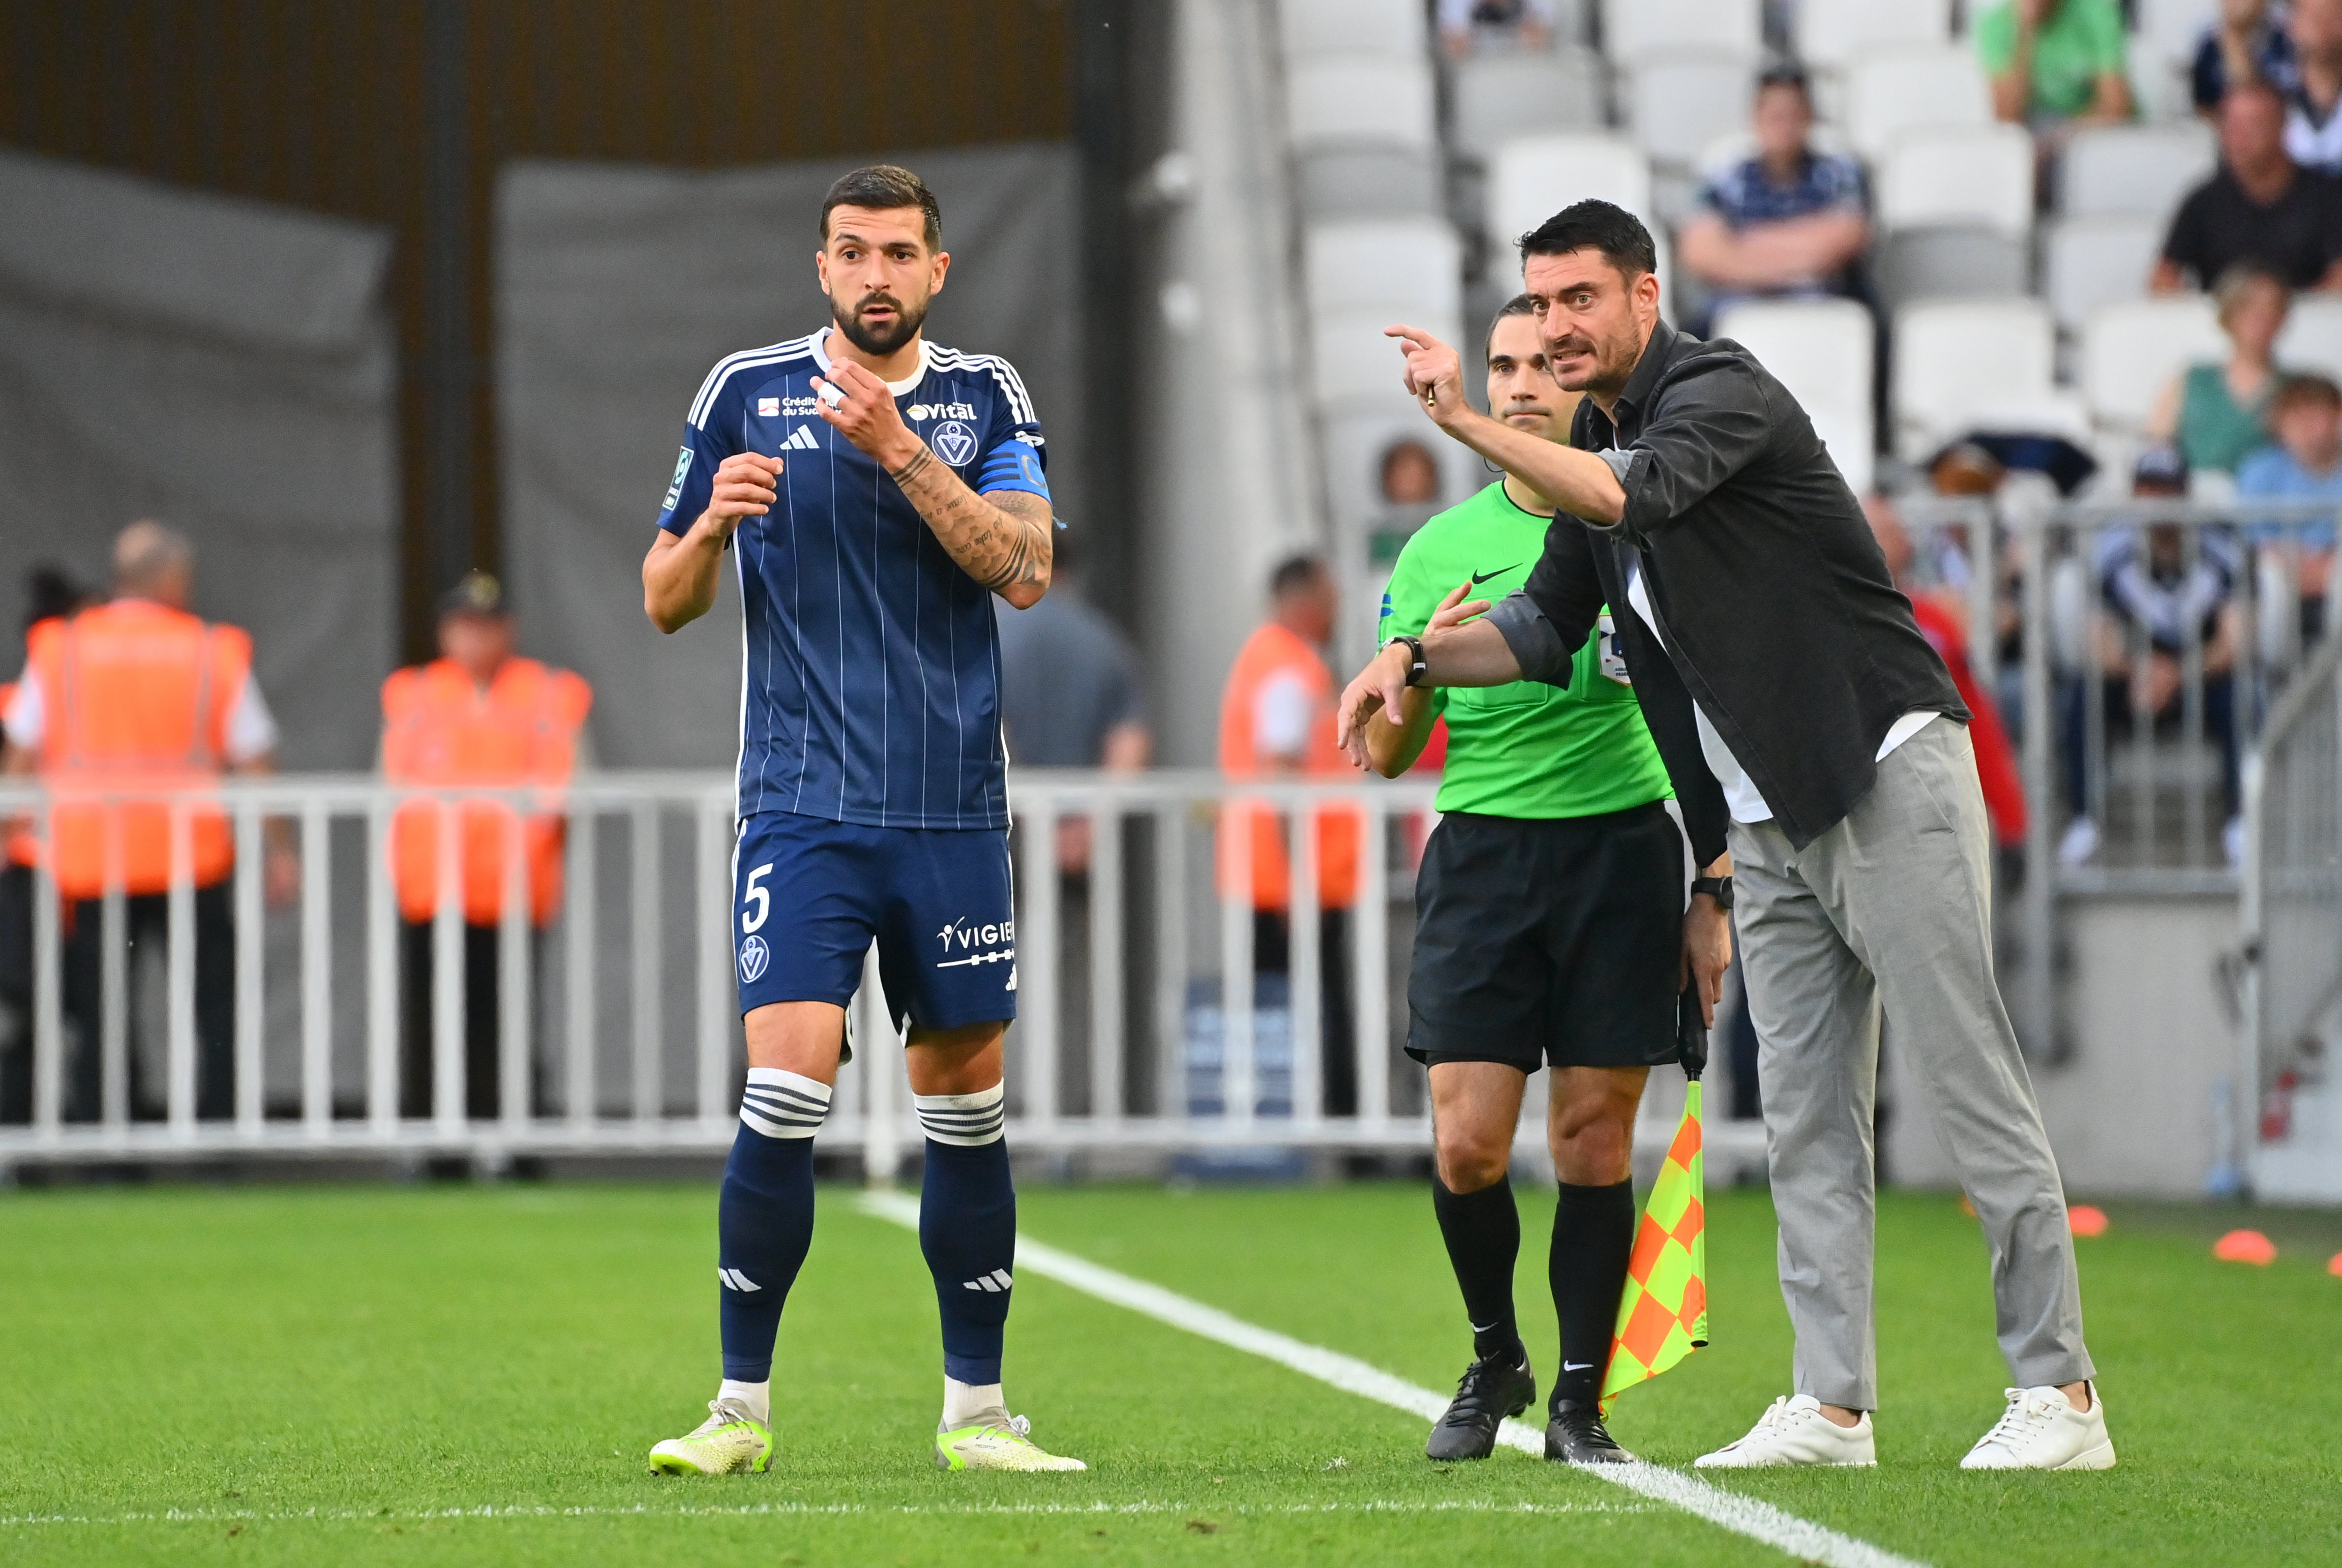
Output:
(964, 1402)
(756, 1398)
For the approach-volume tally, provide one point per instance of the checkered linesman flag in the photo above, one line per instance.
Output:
(1663, 1313)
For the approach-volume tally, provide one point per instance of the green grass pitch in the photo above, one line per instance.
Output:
(321, 1375)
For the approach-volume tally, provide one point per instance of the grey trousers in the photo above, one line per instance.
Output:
(1892, 908)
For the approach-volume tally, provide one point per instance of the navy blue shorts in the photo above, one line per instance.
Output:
(808, 895)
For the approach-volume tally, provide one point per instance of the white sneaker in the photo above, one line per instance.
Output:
(2041, 1430)
(2079, 844)
(1795, 1431)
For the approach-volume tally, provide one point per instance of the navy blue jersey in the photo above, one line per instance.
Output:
(870, 663)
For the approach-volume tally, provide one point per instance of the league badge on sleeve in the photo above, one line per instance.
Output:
(675, 486)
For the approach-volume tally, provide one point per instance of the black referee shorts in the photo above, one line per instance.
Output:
(1542, 940)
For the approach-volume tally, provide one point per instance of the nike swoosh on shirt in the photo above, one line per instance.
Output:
(1575, 1365)
(1480, 577)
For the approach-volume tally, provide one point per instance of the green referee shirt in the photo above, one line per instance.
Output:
(1527, 749)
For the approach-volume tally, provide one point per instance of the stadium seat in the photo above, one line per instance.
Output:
(1404, 267)
(1353, 368)
(1955, 360)
(1366, 182)
(1352, 101)
(1633, 29)
(2167, 30)
(1678, 104)
(2312, 339)
(1968, 177)
(1823, 350)
(2133, 170)
(2131, 351)
(1533, 177)
(2089, 262)
(1396, 28)
(1911, 86)
(1500, 96)
(1830, 33)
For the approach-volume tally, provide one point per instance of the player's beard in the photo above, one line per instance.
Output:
(874, 339)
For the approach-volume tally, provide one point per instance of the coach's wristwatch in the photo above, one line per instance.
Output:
(1719, 888)
(1416, 670)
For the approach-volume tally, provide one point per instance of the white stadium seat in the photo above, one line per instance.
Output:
(2167, 30)
(1972, 177)
(1405, 267)
(2312, 338)
(2130, 352)
(1678, 104)
(1830, 33)
(2133, 170)
(1533, 177)
(2089, 262)
(1955, 360)
(1911, 86)
(1823, 350)
(1353, 101)
(1392, 27)
(1632, 29)
(1500, 96)
(1353, 368)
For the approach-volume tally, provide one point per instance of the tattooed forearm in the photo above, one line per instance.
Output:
(1001, 539)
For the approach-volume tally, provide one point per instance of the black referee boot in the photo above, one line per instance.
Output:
(1493, 1388)
(1575, 1435)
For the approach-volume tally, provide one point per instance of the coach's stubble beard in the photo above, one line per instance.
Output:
(872, 338)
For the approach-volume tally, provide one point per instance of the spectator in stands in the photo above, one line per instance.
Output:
(1520, 24)
(479, 716)
(2312, 109)
(1410, 475)
(2258, 208)
(2157, 595)
(2056, 63)
(2305, 464)
(2216, 415)
(1789, 221)
(1276, 722)
(2247, 43)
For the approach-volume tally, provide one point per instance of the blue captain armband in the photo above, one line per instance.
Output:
(1014, 464)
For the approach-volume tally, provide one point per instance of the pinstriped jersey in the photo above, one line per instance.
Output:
(870, 663)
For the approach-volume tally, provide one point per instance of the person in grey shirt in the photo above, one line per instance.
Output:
(1698, 504)
(1070, 693)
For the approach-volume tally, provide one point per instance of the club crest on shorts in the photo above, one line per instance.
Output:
(754, 956)
(954, 443)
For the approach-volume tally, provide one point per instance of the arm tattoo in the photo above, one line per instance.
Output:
(1000, 539)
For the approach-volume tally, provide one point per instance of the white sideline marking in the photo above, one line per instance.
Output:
(1757, 1520)
(685, 1511)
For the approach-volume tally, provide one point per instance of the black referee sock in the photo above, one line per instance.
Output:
(1482, 1233)
(1593, 1237)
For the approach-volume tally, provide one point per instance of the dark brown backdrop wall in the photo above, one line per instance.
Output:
(399, 111)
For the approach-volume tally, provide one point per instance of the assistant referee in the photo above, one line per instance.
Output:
(1550, 928)
(1757, 612)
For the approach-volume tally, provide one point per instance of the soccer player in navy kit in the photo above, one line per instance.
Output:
(876, 491)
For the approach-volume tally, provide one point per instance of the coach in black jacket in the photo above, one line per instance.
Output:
(1790, 689)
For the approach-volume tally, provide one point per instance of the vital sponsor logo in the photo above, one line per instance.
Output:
(675, 485)
(754, 958)
(962, 939)
(919, 412)
(954, 443)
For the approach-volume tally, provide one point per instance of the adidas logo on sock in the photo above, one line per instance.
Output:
(996, 1282)
(733, 1280)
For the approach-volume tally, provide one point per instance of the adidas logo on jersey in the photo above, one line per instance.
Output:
(801, 439)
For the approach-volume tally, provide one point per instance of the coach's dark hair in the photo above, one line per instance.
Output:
(881, 186)
(1294, 574)
(1520, 304)
(1614, 231)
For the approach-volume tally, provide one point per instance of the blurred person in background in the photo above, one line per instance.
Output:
(2304, 465)
(478, 716)
(1276, 722)
(1506, 24)
(2218, 414)
(2258, 209)
(1551, 929)
(2313, 98)
(1786, 223)
(2155, 596)
(2056, 63)
(141, 694)
(2246, 42)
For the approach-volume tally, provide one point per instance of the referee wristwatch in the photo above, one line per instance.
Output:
(1719, 888)
(1416, 669)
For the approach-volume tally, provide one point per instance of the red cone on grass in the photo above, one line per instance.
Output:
(2087, 1220)
(2244, 1247)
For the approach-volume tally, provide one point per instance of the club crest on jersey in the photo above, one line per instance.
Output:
(674, 487)
(954, 443)
(754, 956)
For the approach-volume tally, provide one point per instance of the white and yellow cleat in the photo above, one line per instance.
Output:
(997, 1441)
(2041, 1430)
(729, 1440)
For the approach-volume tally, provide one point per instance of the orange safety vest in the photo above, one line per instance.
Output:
(134, 699)
(439, 729)
(1271, 651)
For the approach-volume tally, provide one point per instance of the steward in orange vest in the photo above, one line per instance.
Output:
(1276, 721)
(477, 716)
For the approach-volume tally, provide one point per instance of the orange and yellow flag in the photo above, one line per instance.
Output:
(1662, 1316)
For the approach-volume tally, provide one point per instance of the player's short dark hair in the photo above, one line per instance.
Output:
(1520, 304)
(1296, 573)
(2305, 391)
(1783, 74)
(880, 187)
(1614, 231)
